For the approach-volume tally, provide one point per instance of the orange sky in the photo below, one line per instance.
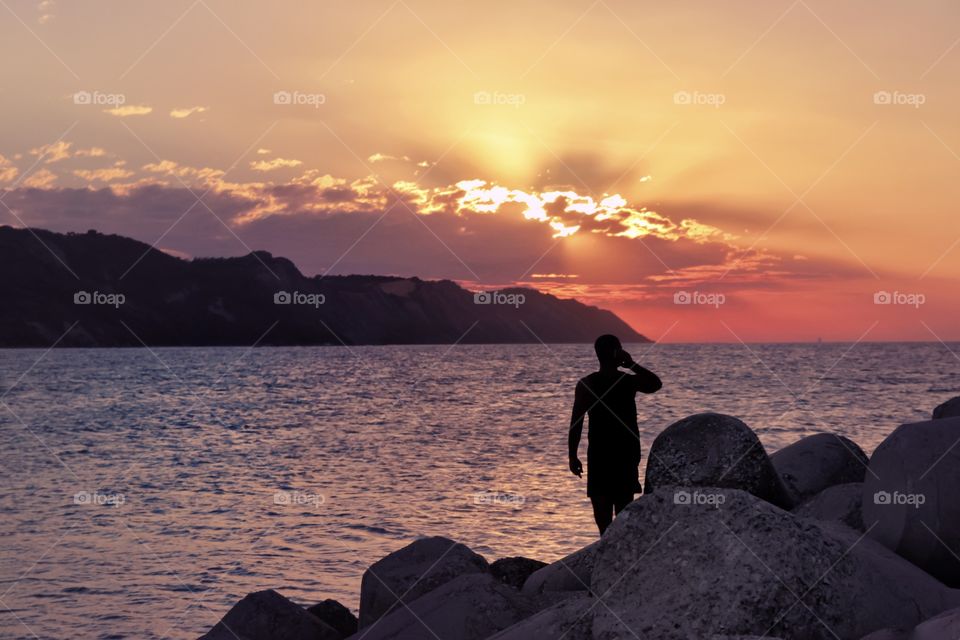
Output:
(755, 171)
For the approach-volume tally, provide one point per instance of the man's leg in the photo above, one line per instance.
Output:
(602, 511)
(621, 501)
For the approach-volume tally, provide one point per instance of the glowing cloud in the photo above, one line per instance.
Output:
(127, 110)
(187, 112)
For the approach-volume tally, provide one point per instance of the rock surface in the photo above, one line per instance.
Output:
(515, 570)
(839, 503)
(745, 567)
(570, 619)
(714, 450)
(911, 499)
(267, 615)
(945, 626)
(816, 462)
(470, 607)
(949, 409)
(571, 573)
(336, 616)
(412, 571)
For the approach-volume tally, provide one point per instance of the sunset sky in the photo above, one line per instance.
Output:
(777, 164)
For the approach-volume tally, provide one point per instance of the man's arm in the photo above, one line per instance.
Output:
(644, 380)
(580, 406)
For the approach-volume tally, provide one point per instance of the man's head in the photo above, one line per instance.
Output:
(608, 350)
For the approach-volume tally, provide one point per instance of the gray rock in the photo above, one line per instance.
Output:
(737, 565)
(911, 502)
(267, 615)
(336, 616)
(949, 409)
(570, 619)
(410, 572)
(713, 450)
(514, 571)
(816, 462)
(839, 503)
(571, 573)
(470, 607)
(888, 634)
(945, 626)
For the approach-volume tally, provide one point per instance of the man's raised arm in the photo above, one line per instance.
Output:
(580, 405)
(646, 381)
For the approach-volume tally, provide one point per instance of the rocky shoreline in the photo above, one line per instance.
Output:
(815, 541)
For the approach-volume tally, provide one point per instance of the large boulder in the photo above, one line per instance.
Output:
(726, 563)
(267, 615)
(336, 616)
(515, 570)
(570, 619)
(714, 450)
(470, 607)
(811, 464)
(945, 626)
(839, 503)
(949, 409)
(570, 573)
(911, 502)
(412, 571)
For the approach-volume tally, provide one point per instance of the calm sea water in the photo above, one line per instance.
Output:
(146, 491)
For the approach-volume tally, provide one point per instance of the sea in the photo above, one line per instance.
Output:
(145, 491)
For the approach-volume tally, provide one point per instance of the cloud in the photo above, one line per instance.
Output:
(109, 174)
(8, 171)
(276, 163)
(186, 112)
(46, 9)
(263, 152)
(54, 152)
(40, 179)
(126, 110)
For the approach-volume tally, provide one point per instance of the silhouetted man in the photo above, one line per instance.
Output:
(608, 396)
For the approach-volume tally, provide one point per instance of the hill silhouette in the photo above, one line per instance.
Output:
(55, 280)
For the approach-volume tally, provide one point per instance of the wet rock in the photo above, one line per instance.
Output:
(816, 462)
(571, 573)
(714, 450)
(911, 502)
(410, 572)
(267, 615)
(945, 626)
(570, 619)
(949, 409)
(469, 607)
(737, 565)
(839, 503)
(514, 571)
(336, 616)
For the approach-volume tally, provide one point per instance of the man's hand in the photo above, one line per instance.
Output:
(625, 359)
(576, 467)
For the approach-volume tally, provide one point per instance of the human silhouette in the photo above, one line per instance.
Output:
(608, 396)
